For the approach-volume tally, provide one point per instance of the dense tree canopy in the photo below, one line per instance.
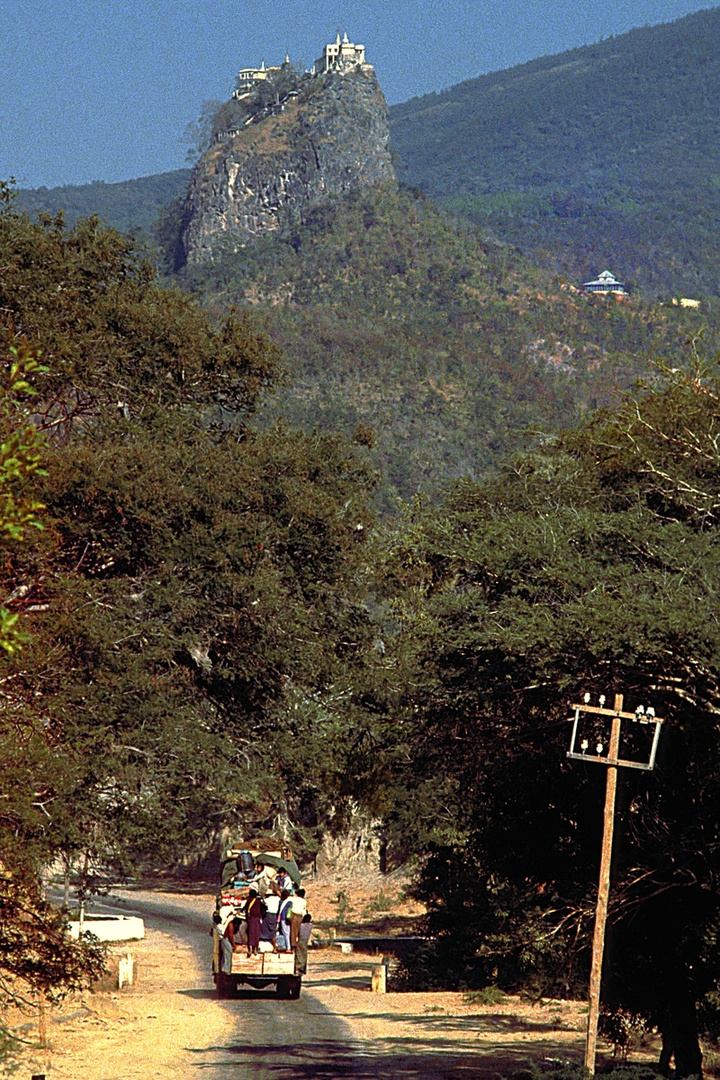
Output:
(198, 588)
(113, 340)
(36, 956)
(590, 566)
(190, 612)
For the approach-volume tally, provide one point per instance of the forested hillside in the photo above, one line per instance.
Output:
(131, 206)
(446, 350)
(604, 156)
(607, 156)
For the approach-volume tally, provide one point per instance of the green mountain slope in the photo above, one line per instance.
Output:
(454, 351)
(131, 206)
(608, 155)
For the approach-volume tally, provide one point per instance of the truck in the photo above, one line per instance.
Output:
(238, 873)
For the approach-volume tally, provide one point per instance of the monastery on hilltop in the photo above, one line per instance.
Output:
(340, 55)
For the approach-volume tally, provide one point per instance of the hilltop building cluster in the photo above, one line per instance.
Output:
(339, 55)
(257, 176)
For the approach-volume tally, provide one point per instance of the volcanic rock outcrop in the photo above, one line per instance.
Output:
(328, 138)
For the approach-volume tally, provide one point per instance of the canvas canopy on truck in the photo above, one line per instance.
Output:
(289, 865)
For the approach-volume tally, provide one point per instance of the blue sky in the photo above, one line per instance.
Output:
(104, 89)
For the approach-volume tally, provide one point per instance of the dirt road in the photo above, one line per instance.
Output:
(268, 1037)
(171, 1025)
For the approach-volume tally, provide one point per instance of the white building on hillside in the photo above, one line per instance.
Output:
(605, 283)
(340, 55)
(247, 77)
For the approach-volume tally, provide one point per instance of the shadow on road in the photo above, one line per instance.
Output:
(246, 994)
(349, 982)
(201, 993)
(401, 1059)
(478, 1024)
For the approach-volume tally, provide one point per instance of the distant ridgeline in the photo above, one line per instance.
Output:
(607, 155)
(132, 206)
(286, 141)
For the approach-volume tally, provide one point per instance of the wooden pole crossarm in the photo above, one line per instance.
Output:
(596, 710)
(602, 711)
(610, 759)
(615, 762)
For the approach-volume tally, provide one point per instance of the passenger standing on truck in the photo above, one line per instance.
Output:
(284, 921)
(301, 949)
(268, 926)
(229, 945)
(264, 880)
(254, 911)
(297, 913)
(282, 881)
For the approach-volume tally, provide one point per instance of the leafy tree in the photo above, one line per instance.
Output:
(196, 585)
(200, 133)
(193, 577)
(112, 339)
(20, 458)
(591, 565)
(36, 958)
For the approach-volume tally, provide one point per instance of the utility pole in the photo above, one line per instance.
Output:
(613, 761)
(603, 896)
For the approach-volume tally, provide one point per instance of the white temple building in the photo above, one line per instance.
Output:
(248, 76)
(605, 283)
(340, 55)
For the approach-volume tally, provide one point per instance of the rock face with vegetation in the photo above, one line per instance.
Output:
(277, 158)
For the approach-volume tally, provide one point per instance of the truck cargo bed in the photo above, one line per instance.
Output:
(264, 964)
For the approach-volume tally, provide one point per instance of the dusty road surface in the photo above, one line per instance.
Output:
(255, 1035)
(170, 1025)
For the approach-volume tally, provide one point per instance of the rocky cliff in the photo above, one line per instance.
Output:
(327, 139)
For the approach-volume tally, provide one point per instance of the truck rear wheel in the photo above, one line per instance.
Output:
(288, 987)
(225, 985)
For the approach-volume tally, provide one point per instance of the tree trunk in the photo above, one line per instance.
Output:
(680, 1032)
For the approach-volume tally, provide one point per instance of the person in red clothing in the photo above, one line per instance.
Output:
(254, 912)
